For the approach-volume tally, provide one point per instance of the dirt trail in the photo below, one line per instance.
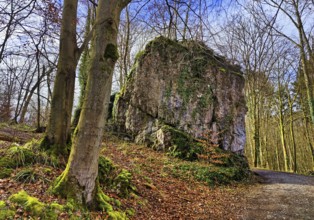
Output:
(280, 196)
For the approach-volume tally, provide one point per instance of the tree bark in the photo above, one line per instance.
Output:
(79, 178)
(83, 71)
(282, 131)
(58, 128)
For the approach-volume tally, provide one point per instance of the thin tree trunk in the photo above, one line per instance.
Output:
(257, 159)
(58, 128)
(308, 137)
(83, 72)
(282, 137)
(293, 139)
(127, 46)
(186, 21)
(29, 97)
(277, 157)
(304, 43)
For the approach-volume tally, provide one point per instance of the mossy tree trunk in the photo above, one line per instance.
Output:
(83, 71)
(78, 181)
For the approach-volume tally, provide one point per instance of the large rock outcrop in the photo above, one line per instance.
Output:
(182, 88)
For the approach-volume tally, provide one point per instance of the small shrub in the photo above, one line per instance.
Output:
(109, 175)
(29, 176)
(6, 162)
(5, 172)
(182, 146)
(26, 176)
(20, 155)
(123, 183)
(130, 212)
(44, 158)
(310, 173)
(106, 171)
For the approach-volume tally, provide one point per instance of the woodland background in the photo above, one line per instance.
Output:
(272, 40)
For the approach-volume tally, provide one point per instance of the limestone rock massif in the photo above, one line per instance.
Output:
(183, 87)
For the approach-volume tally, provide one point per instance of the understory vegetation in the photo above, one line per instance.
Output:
(130, 176)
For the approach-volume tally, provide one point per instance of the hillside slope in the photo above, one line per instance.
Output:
(161, 187)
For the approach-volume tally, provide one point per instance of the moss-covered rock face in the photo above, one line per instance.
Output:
(186, 86)
(177, 143)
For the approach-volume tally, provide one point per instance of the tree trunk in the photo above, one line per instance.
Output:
(256, 137)
(30, 94)
(58, 128)
(83, 72)
(79, 178)
(282, 134)
(308, 137)
(126, 54)
(292, 137)
(186, 21)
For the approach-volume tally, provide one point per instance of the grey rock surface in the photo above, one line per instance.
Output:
(186, 86)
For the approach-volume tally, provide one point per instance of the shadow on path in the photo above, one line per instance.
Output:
(273, 177)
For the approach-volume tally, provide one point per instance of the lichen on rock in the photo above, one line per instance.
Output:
(187, 87)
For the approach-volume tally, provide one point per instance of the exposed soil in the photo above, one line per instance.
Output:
(280, 196)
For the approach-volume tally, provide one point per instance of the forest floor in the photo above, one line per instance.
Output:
(163, 192)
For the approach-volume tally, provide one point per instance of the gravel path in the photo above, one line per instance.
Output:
(280, 196)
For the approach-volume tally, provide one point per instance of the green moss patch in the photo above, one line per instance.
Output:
(104, 204)
(2, 204)
(110, 176)
(212, 175)
(19, 156)
(5, 162)
(31, 204)
(111, 52)
(6, 214)
(35, 207)
(208, 163)
(182, 145)
(67, 188)
(123, 184)
(106, 171)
